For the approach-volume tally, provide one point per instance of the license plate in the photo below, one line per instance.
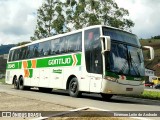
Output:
(129, 89)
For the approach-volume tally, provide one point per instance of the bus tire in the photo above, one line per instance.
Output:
(74, 88)
(15, 83)
(106, 97)
(21, 84)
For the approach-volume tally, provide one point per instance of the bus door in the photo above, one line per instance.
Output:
(93, 58)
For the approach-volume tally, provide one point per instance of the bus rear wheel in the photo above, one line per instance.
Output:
(106, 97)
(21, 84)
(74, 88)
(15, 83)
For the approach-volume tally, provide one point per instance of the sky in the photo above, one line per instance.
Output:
(145, 14)
(18, 18)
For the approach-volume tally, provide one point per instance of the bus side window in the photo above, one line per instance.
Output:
(16, 55)
(55, 46)
(27, 52)
(35, 50)
(10, 56)
(80, 41)
(63, 45)
(93, 57)
(20, 54)
(30, 52)
(74, 42)
(47, 47)
(24, 52)
(44, 48)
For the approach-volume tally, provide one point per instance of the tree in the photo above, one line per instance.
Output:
(156, 37)
(23, 43)
(52, 19)
(93, 12)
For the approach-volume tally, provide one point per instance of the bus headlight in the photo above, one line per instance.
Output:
(111, 78)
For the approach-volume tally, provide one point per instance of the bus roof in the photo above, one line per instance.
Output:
(64, 34)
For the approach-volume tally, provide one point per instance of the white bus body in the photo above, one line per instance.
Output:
(97, 59)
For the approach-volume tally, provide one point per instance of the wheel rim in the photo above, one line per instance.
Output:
(73, 87)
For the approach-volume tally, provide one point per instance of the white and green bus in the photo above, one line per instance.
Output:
(96, 59)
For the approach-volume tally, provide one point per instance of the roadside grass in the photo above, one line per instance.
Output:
(2, 81)
(154, 95)
(151, 95)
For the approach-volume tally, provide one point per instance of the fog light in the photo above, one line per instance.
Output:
(109, 91)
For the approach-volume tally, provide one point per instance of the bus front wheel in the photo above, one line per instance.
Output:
(106, 97)
(74, 88)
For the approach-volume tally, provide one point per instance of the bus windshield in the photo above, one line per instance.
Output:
(125, 56)
(121, 36)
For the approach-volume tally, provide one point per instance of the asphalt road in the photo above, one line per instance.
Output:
(117, 103)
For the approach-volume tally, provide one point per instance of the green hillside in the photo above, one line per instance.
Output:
(155, 64)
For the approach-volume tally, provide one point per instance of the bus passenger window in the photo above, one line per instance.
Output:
(35, 50)
(63, 45)
(55, 46)
(74, 42)
(44, 48)
(11, 56)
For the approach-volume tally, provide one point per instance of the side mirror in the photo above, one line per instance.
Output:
(151, 52)
(106, 43)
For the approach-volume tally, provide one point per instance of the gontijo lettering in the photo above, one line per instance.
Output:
(60, 61)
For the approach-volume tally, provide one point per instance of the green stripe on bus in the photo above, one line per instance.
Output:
(112, 74)
(29, 64)
(60, 61)
(30, 73)
(55, 62)
(20, 65)
(14, 65)
(79, 59)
